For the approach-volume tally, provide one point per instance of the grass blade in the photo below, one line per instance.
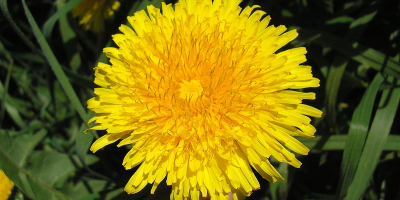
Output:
(62, 78)
(357, 134)
(374, 145)
(339, 65)
(333, 81)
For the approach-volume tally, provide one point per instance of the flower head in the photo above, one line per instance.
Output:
(92, 13)
(6, 185)
(203, 97)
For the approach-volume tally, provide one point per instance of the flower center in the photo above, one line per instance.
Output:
(190, 90)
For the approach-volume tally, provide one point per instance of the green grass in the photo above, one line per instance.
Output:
(46, 77)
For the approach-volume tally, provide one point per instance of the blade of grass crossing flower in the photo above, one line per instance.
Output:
(62, 78)
(5, 91)
(374, 145)
(49, 24)
(337, 142)
(329, 142)
(338, 68)
(357, 135)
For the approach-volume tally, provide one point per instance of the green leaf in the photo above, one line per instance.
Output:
(81, 189)
(49, 24)
(375, 143)
(50, 167)
(21, 146)
(357, 134)
(13, 154)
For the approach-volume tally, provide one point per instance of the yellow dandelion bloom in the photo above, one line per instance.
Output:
(203, 97)
(92, 13)
(6, 185)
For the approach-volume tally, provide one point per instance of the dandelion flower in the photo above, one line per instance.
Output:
(204, 97)
(6, 185)
(92, 13)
